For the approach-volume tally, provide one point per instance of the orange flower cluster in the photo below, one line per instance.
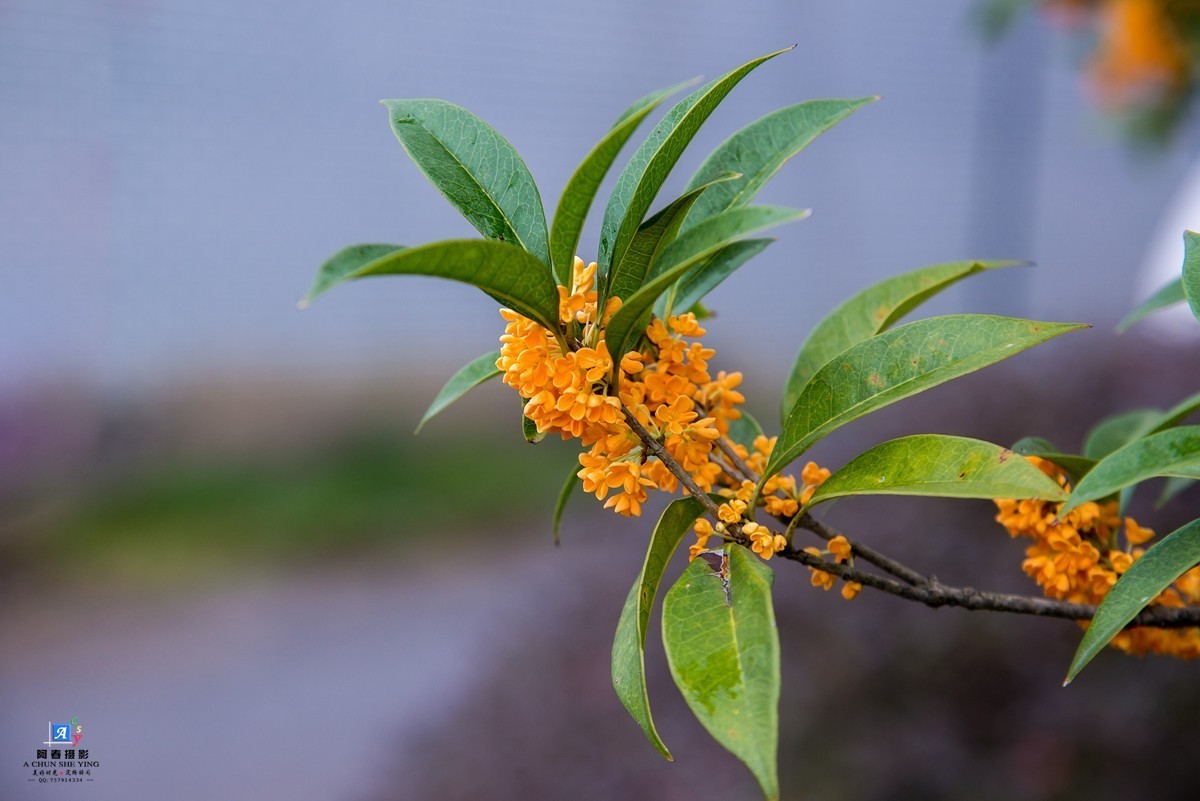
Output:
(665, 384)
(781, 497)
(1079, 557)
(1139, 51)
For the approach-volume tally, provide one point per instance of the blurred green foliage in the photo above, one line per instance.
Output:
(374, 491)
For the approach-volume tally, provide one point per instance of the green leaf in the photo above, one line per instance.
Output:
(723, 648)
(689, 290)
(871, 311)
(651, 239)
(1030, 446)
(1176, 414)
(1168, 296)
(507, 273)
(475, 168)
(745, 430)
(628, 654)
(649, 167)
(341, 265)
(564, 495)
(760, 149)
(714, 233)
(1174, 452)
(1191, 271)
(1125, 498)
(1118, 430)
(898, 364)
(679, 257)
(1125, 427)
(1077, 466)
(1159, 567)
(581, 188)
(942, 466)
(1173, 487)
(469, 376)
(530, 431)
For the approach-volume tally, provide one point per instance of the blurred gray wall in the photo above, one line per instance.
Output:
(172, 172)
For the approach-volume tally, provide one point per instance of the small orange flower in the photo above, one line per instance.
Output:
(819, 577)
(703, 530)
(781, 507)
(1120, 561)
(631, 363)
(1135, 534)
(839, 546)
(686, 325)
(732, 511)
(673, 416)
(762, 541)
(814, 475)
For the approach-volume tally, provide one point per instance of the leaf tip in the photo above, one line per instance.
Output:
(1066, 328)
(317, 291)
(993, 265)
(1076, 666)
(310, 296)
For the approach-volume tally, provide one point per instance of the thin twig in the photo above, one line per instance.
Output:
(866, 553)
(935, 595)
(904, 582)
(738, 462)
(655, 447)
(809, 523)
(734, 475)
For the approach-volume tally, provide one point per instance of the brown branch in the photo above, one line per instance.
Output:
(738, 462)
(904, 582)
(734, 476)
(935, 594)
(809, 523)
(867, 554)
(655, 447)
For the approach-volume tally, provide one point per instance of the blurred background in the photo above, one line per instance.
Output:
(223, 550)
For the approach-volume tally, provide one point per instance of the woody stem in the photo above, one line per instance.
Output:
(904, 582)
